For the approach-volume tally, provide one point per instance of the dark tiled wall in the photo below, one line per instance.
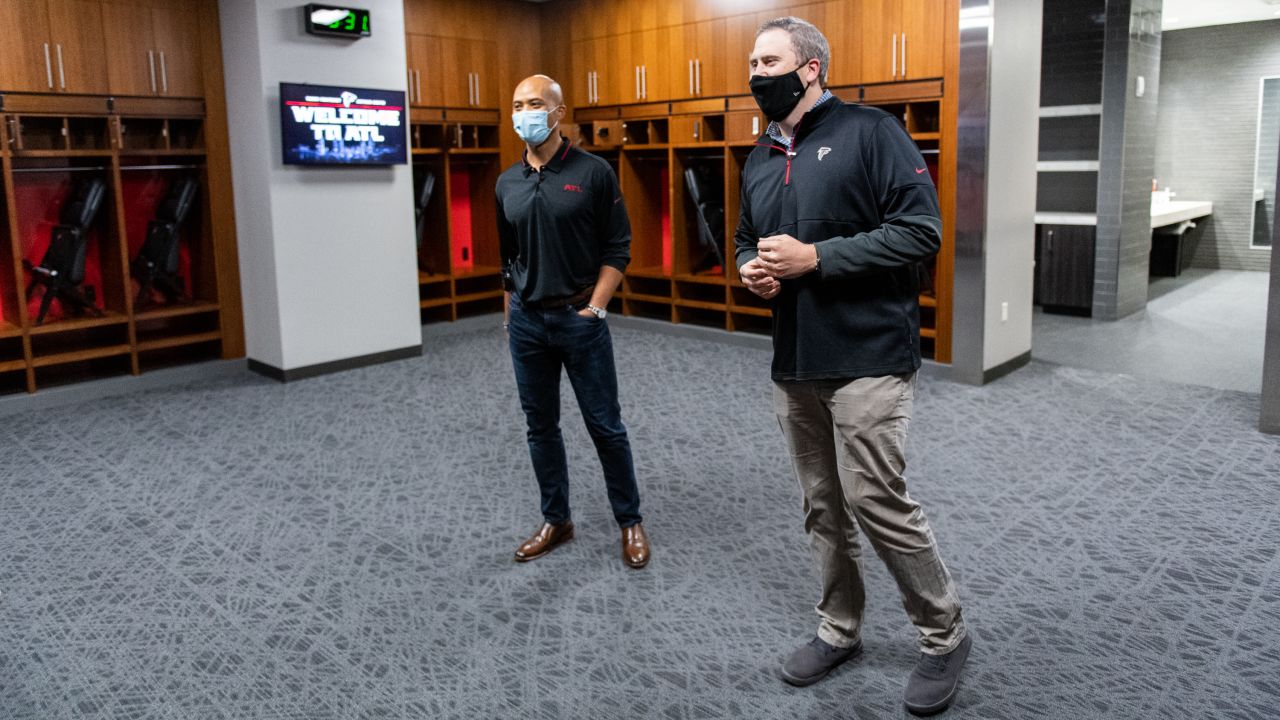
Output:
(1127, 157)
(1207, 129)
(1071, 52)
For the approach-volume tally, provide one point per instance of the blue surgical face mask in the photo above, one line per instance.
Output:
(531, 126)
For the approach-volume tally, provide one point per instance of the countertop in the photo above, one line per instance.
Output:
(1162, 213)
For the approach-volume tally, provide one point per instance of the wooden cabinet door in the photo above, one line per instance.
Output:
(425, 79)
(711, 76)
(131, 59)
(656, 79)
(484, 63)
(625, 72)
(79, 51)
(455, 72)
(608, 89)
(879, 40)
(177, 46)
(740, 40)
(921, 32)
(680, 52)
(578, 86)
(26, 58)
(844, 34)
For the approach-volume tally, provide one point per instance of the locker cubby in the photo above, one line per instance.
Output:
(40, 189)
(12, 381)
(88, 133)
(10, 290)
(1073, 137)
(155, 358)
(38, 132)
(428, 136)
(436, 313)
(706, 317)
(648, 287)
(644, 132)
(648, 309)
(144, 187)
(433, 242)
(645, 180)
(143, 133)
(52, 345)
(186, 133)
(690, 291)
(83, 370)
(741, 297)
(691, 255)
(473, 234)
(472, 306)
(165, 331)
(11, 353)
(697, 129)
(468, 136)
(599, 133)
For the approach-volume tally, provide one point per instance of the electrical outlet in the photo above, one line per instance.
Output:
(1004, 312)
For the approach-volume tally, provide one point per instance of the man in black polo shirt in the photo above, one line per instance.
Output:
(565, 241)
(838, 210)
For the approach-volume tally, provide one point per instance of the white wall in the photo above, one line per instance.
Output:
(327, 258)
(1011, 179)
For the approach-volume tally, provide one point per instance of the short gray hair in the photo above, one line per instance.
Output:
(807, 41)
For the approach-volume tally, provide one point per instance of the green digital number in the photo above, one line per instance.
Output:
(351, 22)
(365, 25)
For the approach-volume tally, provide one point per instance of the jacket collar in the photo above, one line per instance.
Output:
(556, 161)
(808, 122)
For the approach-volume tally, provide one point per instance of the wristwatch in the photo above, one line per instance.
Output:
(598, 312)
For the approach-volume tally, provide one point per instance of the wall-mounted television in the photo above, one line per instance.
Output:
(338, 125)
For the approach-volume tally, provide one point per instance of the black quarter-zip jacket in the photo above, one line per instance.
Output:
(856, 186)
(557, 227)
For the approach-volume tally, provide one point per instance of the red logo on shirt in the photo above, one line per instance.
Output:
(572, 188)
(920, 171)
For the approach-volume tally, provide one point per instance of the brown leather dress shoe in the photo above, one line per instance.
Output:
(635, 546)
(544, 541)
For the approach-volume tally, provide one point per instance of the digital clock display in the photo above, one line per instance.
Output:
(337, 21)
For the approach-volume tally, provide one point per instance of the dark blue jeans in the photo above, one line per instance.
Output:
(543, 341)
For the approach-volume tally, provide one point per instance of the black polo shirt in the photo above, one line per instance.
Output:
(559, 226)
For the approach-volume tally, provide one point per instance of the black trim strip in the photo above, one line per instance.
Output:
(310, 371)
(1004, 368)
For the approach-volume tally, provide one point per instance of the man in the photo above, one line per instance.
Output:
(838, 209)
(565, 242)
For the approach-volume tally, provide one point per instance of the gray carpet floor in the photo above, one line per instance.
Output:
(341, 548)
(1204, 327)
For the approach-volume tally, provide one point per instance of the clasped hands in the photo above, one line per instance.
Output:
(779, 257)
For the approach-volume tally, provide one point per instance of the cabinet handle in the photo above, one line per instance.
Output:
(691, 77)
(595, 86)
(644, 81)
(697, 77)
(637, 82)
(477, 89)
(62, 73)
(164, 74)
(893, 58)
(417, 84)
(1048, 243)
(48, 66)
(697, 129)
(755, 125)
(151, 60)
(458, 135)
(904, 56)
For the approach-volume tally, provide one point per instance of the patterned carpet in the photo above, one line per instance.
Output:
(341, 548)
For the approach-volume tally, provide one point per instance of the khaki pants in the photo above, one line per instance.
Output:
(848, 446)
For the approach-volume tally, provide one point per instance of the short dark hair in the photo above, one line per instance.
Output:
(807, 41)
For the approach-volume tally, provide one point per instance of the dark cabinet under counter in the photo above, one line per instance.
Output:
(1064, 268)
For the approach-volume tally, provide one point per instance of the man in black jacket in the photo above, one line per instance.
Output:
(838, 210)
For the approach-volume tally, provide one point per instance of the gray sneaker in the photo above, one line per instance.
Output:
(932, 685)
(812, 661)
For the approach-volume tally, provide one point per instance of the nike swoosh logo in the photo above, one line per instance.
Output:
(920, 171)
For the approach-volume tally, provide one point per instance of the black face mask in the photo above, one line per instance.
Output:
(778, 95)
